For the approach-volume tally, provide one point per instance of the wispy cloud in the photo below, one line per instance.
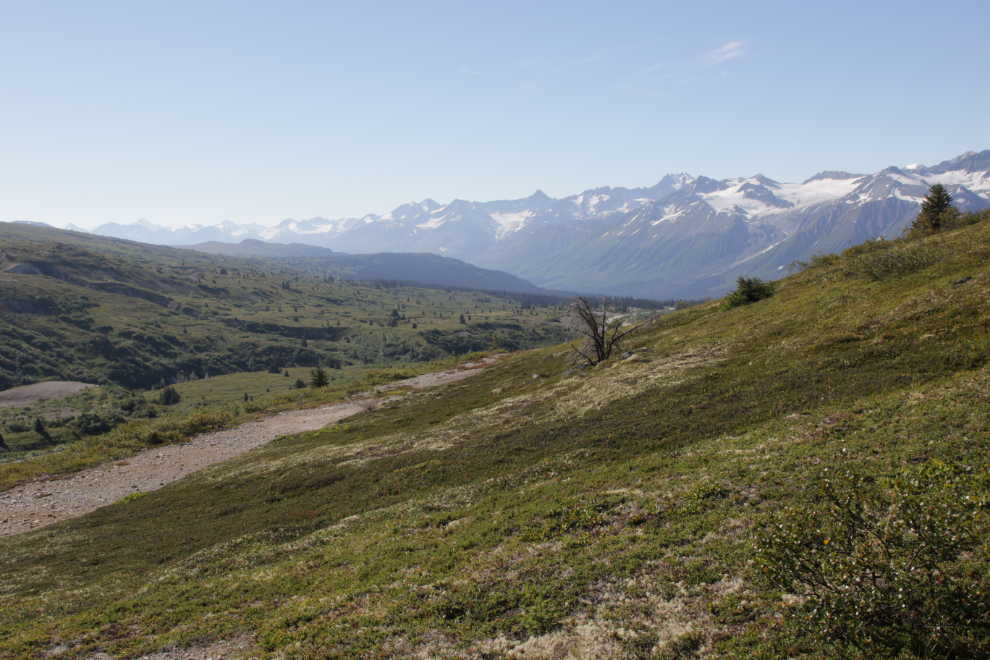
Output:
(650, 69)
(471, 72)
(598, 54)
(729, 51)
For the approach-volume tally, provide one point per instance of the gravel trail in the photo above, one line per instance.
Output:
(42, 503)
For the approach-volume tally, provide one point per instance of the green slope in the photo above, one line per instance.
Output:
(535, 511)
(102, 310)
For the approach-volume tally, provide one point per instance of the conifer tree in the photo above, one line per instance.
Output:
(935, 210)
(169, 397)
(40, 429)
(319, 378)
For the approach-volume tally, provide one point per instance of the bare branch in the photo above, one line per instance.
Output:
(603, 336)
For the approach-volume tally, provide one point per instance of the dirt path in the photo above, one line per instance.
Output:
(42, 503)
(28, 394)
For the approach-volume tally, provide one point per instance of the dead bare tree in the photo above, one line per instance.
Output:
(602, 332)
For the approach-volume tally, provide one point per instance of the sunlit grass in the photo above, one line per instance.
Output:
(610, 512)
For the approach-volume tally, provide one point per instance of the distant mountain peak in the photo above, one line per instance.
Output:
(705, 185)
(969, 162)
(769, 183)
(643, 240)
(834, 175)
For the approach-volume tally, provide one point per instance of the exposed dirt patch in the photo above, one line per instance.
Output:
(222, 650)
(28, 394)
(42, 503)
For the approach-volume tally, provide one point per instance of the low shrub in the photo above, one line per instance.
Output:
(819, 260)
(967, 219)
(882, 259)
(749, 290)
(173, 427)
(889, 567)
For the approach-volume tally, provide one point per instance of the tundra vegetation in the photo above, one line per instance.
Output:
(193, 329)
(104, 311)
(803, 476)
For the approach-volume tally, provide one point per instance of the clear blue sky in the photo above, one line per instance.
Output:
(198, 112)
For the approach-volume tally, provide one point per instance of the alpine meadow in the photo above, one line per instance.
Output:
(803, 475)
(494, 331)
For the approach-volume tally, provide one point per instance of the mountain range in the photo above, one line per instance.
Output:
(684, 237)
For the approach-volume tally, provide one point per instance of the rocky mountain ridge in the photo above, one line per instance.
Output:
(684, 237)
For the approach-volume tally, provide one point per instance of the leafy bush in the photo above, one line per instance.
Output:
(173, 427)
(890, 567)
(819, 260)
(882, 259)
(969, 218)
(92, 423)
(566, 520)
(749, 290)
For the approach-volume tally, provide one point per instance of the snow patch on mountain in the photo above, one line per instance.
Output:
(978, 182)
(509, 223)
(816, 191)
(753, 197)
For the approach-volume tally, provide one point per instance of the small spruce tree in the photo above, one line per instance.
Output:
(935, 210)
(39, 428)
(169, 397)
(319, 378)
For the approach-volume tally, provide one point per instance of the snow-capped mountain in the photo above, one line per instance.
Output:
(685, 236)
(146, 232)
(697, 239)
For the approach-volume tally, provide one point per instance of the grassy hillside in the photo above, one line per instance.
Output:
(672, 503)
(107, 311)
